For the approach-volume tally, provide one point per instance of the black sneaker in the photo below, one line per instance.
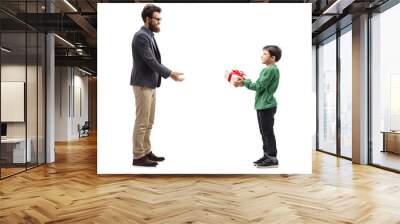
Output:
(153, 157)
(259, 160)
(143, 161)
(268, 163)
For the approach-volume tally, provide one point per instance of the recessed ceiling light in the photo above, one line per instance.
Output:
(5, 49)
(70, 5)
(84, 71)
(64, 40)
(338, 6)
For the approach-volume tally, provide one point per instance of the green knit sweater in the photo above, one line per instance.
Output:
(265, 87)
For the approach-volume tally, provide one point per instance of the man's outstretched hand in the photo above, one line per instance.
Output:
(177, 76)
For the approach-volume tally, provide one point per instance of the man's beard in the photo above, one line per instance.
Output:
(154, 28)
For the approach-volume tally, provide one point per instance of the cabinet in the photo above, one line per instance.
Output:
(391, 141)
(13, 150)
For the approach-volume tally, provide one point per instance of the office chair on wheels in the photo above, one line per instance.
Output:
(84, 130)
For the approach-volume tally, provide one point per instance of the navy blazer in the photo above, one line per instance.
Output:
(147, 68)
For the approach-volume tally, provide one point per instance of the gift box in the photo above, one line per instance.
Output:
(234, 75)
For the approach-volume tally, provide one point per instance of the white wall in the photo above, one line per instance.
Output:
(80, 83)
(33, 127)
(16, 73)
(70, 83)
(204, 120)
(62, 81)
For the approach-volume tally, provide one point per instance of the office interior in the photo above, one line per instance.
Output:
(49, 92)
(48, 77)
(357, 86)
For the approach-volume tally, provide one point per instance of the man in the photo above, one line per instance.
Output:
(145, 78)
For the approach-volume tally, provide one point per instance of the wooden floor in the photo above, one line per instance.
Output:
(8, 171)
(5, 172)
(387, 159)
(70, 191)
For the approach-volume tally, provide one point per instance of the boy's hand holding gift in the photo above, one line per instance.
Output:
(235, 77)
(239, 82)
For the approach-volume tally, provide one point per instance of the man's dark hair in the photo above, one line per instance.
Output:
(274, 51)
(148, 11)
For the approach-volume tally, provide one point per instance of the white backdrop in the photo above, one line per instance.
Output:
(204, 125)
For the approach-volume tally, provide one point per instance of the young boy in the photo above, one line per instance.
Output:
(266, 104)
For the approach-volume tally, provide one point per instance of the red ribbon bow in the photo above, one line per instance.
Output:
(235, 72)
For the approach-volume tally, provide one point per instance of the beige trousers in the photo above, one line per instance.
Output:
(145, 107)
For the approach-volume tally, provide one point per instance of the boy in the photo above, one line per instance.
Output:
(266, 104)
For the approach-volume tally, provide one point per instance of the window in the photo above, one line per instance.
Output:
(346, 93)
(385, 89)
(327, 96)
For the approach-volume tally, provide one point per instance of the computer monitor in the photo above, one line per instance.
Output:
(3, 129)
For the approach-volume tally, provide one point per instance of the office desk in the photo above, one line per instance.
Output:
(391, 141)
(13, 150)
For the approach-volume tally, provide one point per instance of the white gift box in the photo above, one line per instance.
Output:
(234, 75)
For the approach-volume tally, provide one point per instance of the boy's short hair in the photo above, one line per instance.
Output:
(148, 11)
(274, 51)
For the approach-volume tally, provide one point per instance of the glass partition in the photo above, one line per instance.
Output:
(346, 93)
(22, 78)
(327, 96)
(385, 89)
